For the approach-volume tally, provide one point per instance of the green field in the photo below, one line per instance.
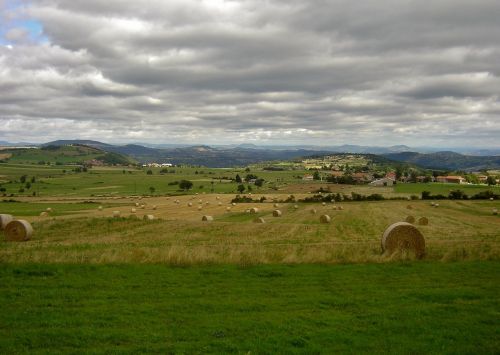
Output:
(416, 308)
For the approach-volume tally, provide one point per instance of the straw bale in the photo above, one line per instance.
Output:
(44, 214)
(296, 206)
(436, 205)
(409, 207)
(207, 218)
(228, 209)
(340, 208)
(48, 209)
(313, 211)
(234, 203)
(200, 208)
(155, 207)
(4, 220)
(403, 236)
(137, 204)
(276, 205)
(259, 220)
(133, 210)
(323, 204)
(325, 218)
(148, 217)
(254, 210)
(334, 208)
(495, 211)
(219, 204)
(18, 231)
(423, 221)
(99, 208)
(277, 213)
(116, 214)
(190, 204)
(410, 219)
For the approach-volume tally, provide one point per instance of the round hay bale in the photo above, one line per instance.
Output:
(423, 221)
(491, 198)
(296, 206)
(403, 236)
(99, 208)
(432, 204)
(495, 211)
(148, 217)
(48, 209)
(4, 220)
(200, 201)
(254, 210)
(44, 214)
(219, 204)
(217, 197)
(259, 220)
(340, 208)
(18, 231)
(410, 219)
(323, 204)
(142, 207)
(140, 197)
(190, 204)
(313, 211)
(409, 207)
(334, 208)
(133, 210)
(325, 218)
(436, 205)
(177, 201)
(207, 218)
(137, 204)
(207, 203)
(228, 209)
(155, 207)
(234, 203)
(200, 208)
(277, 213)
(276, 205)
(247, 211)
(116, 214)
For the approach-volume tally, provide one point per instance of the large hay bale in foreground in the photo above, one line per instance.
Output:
(259, 220)
(403, 236)
(207, 218)
(254, 210)
(4, 220)
(148, 217)
(277, 213)
(325, 218)
(18, 231)
(423, 221)
(410, 219)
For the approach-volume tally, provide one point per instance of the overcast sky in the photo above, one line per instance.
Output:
(421, 73)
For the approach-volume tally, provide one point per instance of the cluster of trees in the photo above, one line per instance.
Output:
(460, 195)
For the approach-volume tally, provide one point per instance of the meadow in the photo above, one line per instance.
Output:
(89, 282)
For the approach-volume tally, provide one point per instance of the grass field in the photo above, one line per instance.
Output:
(443, 189)
(418, 308)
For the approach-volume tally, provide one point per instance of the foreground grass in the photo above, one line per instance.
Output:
(395, 308)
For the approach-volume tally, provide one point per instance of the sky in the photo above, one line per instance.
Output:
(420, 73)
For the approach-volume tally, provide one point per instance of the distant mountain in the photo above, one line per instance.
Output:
(89, 143)
(447, 160)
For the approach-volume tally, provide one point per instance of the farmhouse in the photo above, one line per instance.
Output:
(391, 175)
(383, 182)
(451, 179)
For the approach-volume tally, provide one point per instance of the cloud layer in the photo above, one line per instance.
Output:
(260, 71)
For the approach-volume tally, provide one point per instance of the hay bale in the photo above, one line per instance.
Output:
(323, 204)
(217, 197)
(410, 219)
(116, 214)
(177, 201)
(137, 204)
(99, 208)
(436, 205)
(247, 211)
(325, 218)
(200, 208)
(219, 204)
(133, 210)
(142, 207)
(276, 205)
(44, 214)
(491, 198)
(207, 203)
(200, 201)
(190, 204)
(228, 209)
(432, 204)
(207, 218)
(334, 208)
(48, 210)
(4, 220)
(154, 207)
(495, 211)
(340, 208)
(259, 220)
(254, 210)
(18, 231)
(296, 206)
(277, 213)
(409, 207)
(313, 211)
(148, 217)
(234, 203)
(423, 221)
(402, 236)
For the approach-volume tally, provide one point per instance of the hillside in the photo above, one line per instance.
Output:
(63, 154)
(447, 160)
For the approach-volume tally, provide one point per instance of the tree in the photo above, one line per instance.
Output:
(238, 179)
(241, 188)
(152, 189)
(23, 179)
(185, 184)
(149, 172)
(316, 175)
(491, 181)
(259, 182)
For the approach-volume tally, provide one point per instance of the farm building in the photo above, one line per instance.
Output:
(383, 182)
(451, 179)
